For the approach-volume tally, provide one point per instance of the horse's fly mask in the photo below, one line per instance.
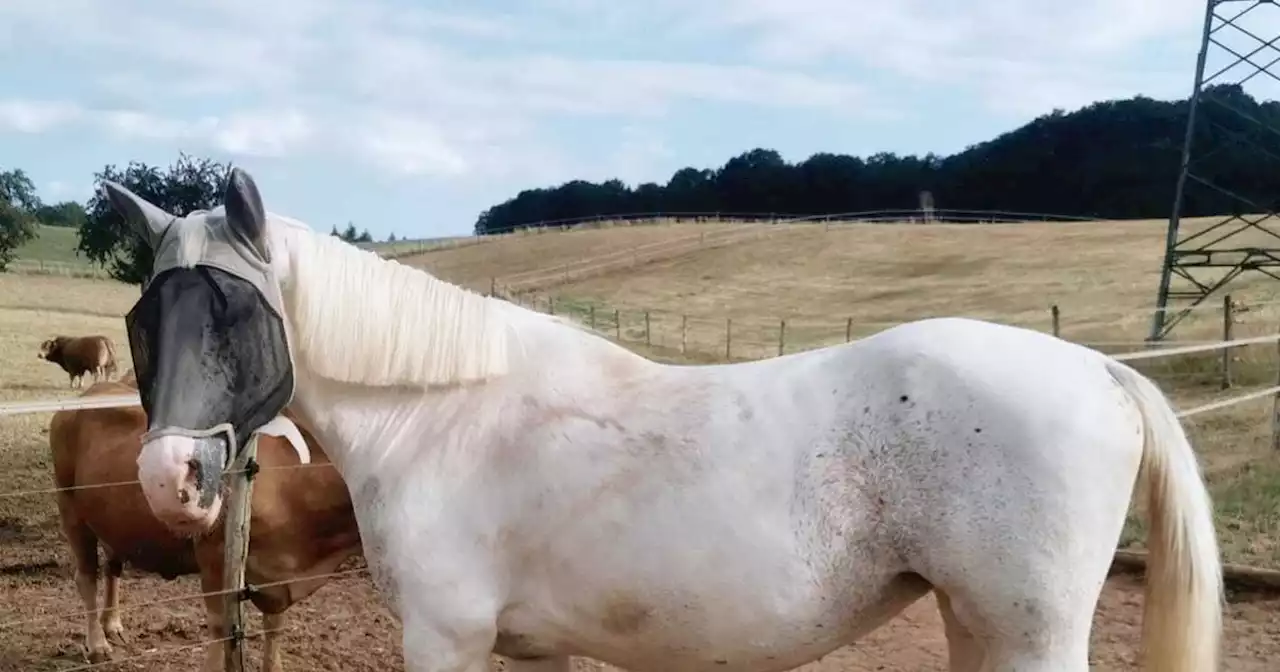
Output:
(207, 336)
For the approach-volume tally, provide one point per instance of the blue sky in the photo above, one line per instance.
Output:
(412, 117)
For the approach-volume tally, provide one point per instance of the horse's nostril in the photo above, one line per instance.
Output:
(196, 470)
(183, 495)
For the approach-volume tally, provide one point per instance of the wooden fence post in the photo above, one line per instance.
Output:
(848, 330)
(782, 337)
(617, 325)
(684, 334)
(1057, 320)
(728, 339)
(1275, 408)
(647, 340)
(592, 310)
(235, 549)
(551, 305)
(493, 286)
(1228, 318)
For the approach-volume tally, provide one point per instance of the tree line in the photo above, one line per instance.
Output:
(188, 184)
(1114, 159)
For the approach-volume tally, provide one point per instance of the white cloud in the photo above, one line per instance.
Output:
(641, 152)
(56, 191)
(267, 133)
(1022, 55)
(35, 116)
(417, 91)
(459, 94)
(409, 146)
(132, 124)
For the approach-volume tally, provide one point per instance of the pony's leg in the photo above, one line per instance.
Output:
(964, 651)
(84, 552)
(111, 624)
(213, 653)
(273, 629)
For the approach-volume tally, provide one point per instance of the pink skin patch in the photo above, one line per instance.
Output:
(169, 476)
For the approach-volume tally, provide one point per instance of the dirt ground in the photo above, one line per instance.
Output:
(344, 626)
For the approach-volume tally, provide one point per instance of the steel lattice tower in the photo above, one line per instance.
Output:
(1245, 238)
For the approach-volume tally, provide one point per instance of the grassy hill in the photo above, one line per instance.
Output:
(543, 250)
(54, 244)
(1102, 275)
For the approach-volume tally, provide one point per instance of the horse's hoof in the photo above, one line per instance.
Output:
(100, 655)
(115, 633)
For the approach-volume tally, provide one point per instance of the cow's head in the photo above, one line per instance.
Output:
(51, 349)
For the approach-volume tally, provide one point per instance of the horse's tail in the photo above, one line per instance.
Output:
(1182, 620)
(109, 363)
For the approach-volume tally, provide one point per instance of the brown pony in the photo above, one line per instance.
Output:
(301, 524)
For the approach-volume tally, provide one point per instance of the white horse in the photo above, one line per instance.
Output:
(525, 487)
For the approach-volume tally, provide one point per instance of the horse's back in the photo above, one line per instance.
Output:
(98, 447)
(94, 435)
(964, 399)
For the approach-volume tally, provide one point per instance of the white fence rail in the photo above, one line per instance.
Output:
(123, 400)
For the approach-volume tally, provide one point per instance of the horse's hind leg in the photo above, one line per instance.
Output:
(84, 554)
(111, 624)
(991, 630)
(964, 651)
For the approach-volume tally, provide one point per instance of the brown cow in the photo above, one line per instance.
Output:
(301, 524)
(78, 355)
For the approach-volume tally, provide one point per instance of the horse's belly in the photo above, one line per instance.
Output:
(767, 627)
(134, 536)
(169, 558)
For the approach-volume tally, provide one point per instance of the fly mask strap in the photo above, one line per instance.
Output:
(224, 428)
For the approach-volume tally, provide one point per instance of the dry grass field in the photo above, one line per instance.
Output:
(475, 266)
(1097, 273)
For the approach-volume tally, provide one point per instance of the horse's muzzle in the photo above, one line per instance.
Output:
(181, 477)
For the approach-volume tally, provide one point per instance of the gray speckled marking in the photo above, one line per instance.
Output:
(209, 454)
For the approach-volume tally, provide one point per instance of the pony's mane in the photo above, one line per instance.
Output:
(359, 318)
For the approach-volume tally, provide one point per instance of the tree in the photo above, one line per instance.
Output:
(18, 203)
(67, 214)
(1115, 159)
(189, 184)
(351, 236)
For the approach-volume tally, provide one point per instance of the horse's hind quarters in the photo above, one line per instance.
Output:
(181, 479)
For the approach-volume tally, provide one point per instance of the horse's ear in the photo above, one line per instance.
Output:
(245, 212)
(147, 220)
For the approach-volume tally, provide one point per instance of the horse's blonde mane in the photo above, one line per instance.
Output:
(359, 318)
